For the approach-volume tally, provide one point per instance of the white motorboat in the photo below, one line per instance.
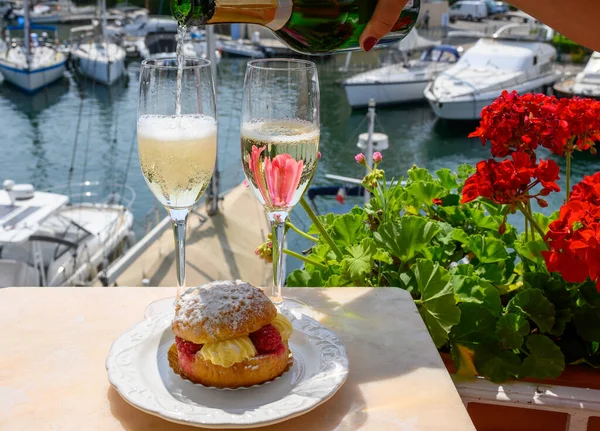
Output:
(54, 12)
(163, 45)
(101, 61)
(31, 66)
(491, 66)
(585, 84)
(400, 83)
(46, 241)
(97, 58)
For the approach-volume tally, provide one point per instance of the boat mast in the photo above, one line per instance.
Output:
(26, 32)
(103, 2)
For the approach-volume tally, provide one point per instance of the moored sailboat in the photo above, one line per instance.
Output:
(34, 64)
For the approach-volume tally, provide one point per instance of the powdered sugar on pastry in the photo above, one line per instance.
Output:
(221, 310)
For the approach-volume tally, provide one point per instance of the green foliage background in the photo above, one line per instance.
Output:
(485, 297)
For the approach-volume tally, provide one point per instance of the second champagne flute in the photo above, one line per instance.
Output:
(177, 139)
(280, 142)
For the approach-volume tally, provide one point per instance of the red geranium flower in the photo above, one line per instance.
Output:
(511, 180)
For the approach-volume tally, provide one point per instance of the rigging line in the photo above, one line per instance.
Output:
(114, 142)
(363, 121)
(76, 141)
(89, 130)
(127, 166)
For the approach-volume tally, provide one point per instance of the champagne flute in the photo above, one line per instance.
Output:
(280, 144)
(177, 143)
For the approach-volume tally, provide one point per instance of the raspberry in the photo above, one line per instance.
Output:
(187, 346)
(266, 340)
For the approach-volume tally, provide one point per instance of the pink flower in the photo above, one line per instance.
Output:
(319, 155)
(377, 157)
(283, 176)
(255, 167)
(276, 180)
(360, 158)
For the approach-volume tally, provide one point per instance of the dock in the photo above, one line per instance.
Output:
(220, 247)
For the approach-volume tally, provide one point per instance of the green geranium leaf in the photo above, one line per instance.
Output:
(531, 249)
(587, 323)
(483, 221)
(545, 359)
(437, 305)
(492, 272)
(496, 364)
(302, 278)
(419, 174)
(488, 249)
(589, 293)
(360, 262)
(337, 280)
(448, 180)
(460, 236)
(326, 220)
(425, 192)
(407, 238)
(471, 289)
(511, 329)
(476, 325)
(383, 256)
(465, 171)
(543, 221)
(533, 304)
(348, 229)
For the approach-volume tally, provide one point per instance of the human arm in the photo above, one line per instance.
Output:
(576, 19)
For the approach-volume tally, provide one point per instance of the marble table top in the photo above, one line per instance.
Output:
(54, 342)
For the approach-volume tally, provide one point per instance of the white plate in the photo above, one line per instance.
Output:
(139, 370)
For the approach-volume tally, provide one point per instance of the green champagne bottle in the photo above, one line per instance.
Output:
(312, 27)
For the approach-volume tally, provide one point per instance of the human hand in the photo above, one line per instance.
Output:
(381, 23)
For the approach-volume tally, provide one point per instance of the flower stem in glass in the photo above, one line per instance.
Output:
(277, 220)
(179, 221)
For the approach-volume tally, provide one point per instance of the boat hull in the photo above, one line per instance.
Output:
(468, 107)
(100, 71)
(359, 94)
(32, 80)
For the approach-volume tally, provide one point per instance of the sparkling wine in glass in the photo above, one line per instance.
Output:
(177, 139)
(280, 142)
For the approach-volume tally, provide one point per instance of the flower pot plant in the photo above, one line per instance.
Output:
(505, 303)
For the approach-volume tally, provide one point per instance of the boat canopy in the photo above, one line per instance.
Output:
(441, 53)
(501, 55)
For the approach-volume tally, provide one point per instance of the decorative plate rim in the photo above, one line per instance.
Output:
(129, 381)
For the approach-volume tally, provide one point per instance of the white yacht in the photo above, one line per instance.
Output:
(46, 241)
(54, 12)
(101, 61)
(31, 66)
(163, 45)
(585, 84)
(94, 55)
(400, 83)
(491, 66)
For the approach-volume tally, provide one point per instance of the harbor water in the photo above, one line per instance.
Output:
(76, 130)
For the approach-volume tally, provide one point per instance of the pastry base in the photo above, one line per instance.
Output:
(253, 371)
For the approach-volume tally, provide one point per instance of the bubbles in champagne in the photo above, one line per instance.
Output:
(279, 159)
(181, 30)
(177, 156)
